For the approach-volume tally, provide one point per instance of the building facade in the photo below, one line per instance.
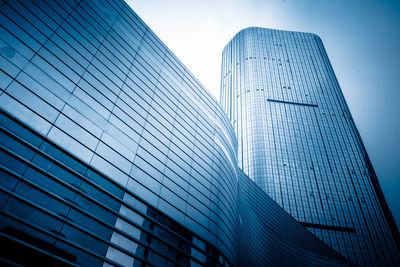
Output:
(112, 153)
(298, 142)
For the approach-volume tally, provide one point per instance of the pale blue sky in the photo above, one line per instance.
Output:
(362, 39)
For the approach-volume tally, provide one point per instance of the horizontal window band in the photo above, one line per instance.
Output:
(24, 244)
(74, 225)
(292, 103)
(328, 227)
(58, 238)
(111, 227)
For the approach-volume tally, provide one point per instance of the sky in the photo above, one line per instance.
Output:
(361, 37)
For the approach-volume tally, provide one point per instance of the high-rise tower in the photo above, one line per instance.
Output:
(298, 142)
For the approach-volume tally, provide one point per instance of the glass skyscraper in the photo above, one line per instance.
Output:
(298, 142)
(112, 153)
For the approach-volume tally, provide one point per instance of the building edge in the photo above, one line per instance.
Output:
(374, 178)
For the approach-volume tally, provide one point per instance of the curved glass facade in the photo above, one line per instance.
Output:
(112, 153)
(92, 78)
(298, 142)
(58, 210)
